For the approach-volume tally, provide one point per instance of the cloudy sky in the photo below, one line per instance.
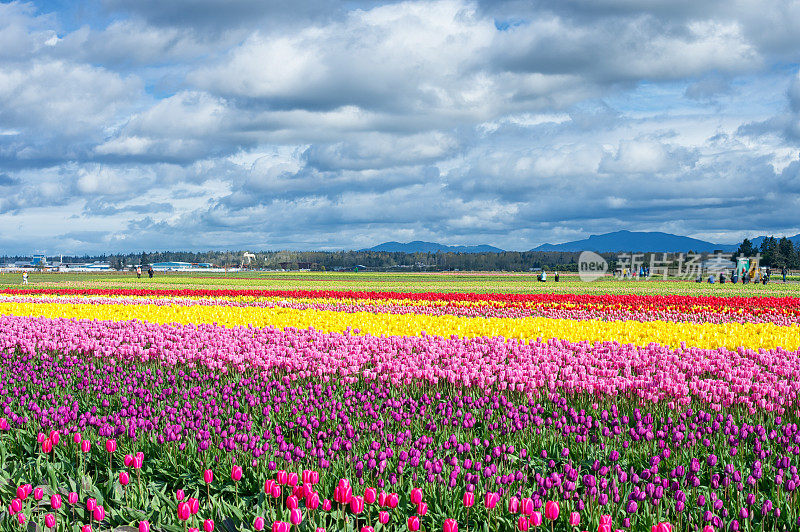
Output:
(130, 125)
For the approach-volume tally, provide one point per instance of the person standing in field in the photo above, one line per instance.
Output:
(150, 271)
(138, 272)
(24, 277)
(783, 272)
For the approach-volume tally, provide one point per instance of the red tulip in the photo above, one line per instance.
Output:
(194, 505)
(54, 439)
(111, 446)
(413, 523)
(258, 524)
(208, 476)
(128, 460)
(536, 518)
(416, 496)
(283, 477)
(522, 523)
(124, 478)
(208, 525)
(47, 446)
(383, 517)
(422, 508)
(236, 473)
(450, 525)
(370, 495)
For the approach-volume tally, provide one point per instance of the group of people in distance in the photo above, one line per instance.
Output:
(542, 277)
(745, 278)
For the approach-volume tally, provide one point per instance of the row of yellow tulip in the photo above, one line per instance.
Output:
(703, 335)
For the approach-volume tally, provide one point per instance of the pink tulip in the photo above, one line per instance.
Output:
(371, 495)
(208, 525)
(383, 517)
(416, 496)
(258, 524)
(382, 496)
(280, 526)
(413, 523)
(513, 505)
(76, 437)
(295, 516)
(183, 511)
(138, 460)
(536, 518)
(54, 439)
(144, 526)
(124, 478)
(179, 495)
(15, 506)
(664, 527)
(283, 477)
(292, 502)
(276, 492)
(312, 501)
(393, 500)
(490, 500)
(194, 505)
(422, 508)
(91, 504)
(128, 460)
(38, 493)
(605, 520)
(551, 510)
(268, 485)
(55, 501)
(291, 480)
(522, 523)
(86, 528)
(47, 446)
(357, 505)
(326, 505)
(99, 513)
(22, 494)
(72, 497)
(574, 519)
(86, 446)
(236, 473)
(111, 446)
(708, 528)
(450, 525)
(21, 518)
(367, 529)
(469, 499)
(526, 506)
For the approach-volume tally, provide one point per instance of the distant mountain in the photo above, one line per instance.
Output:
(418, 246)
(638, 241)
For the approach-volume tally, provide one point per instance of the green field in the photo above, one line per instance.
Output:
(399, 282)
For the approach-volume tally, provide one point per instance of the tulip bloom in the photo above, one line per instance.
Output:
(183, 511)
(128, 460)
(422, 508)
(413, 523)
(208, 476)
(292, 502)
(86, 528)
(91, 504)
(236, 473)
(522, 523)
(268, 485)
(54, 439)
(72, 497)
(383, 517)
(258, 524)
(295, 516)
(208, 525)
(124, 478)
(99, 513)
(490, 500)
(551, 510)
(38, 493)
(371, 495)
(55, 501)
(536, 518)
(15, 506)
(194, 505)
(179, 495)
(574, 519)
(144, 526)
(86, 446)
(291, 480)
(326, 505)
(416, 496)
(111, 446)
(76, 437)
(282, 477)
(526, 506)
(450, 525)
(357, 505)
(21, 518)
(280, 526)
(469, 499)
(393, 500)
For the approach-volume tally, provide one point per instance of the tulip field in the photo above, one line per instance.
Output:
(183, 408)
